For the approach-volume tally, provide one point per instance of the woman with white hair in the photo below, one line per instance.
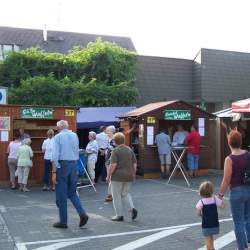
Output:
(110, 130)
(92, 151)
(24, 163)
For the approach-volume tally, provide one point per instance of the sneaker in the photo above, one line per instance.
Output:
(60, 225)
(117, 218)
(83, 220)
(26, 190)
(134, 213)
(109, 198)
(45, 188)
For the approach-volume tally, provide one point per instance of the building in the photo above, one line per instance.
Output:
(212, 80)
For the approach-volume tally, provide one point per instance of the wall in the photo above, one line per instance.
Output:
(161, 79)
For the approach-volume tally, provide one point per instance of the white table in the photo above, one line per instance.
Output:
(178, 159)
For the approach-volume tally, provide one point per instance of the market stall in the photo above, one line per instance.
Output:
(35, 120)
(236, 117)
(149, 120)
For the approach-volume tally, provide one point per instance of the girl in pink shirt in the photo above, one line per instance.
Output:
(207, 209)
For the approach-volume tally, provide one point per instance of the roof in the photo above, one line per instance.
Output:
(157, 105)
(97, 116)
(57, 41)
(228, 113)
(242, 106)
(146, 109)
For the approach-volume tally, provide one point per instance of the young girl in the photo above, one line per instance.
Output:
(207, 209)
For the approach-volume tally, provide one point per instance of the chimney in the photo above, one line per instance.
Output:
(45, 33)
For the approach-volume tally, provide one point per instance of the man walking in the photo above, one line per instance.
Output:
(65, 154)
(121, 173)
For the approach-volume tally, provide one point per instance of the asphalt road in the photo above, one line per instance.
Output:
(167, 219)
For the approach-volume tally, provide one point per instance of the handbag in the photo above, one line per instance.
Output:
(246, 176)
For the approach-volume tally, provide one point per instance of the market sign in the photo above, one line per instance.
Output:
(37, 113)
(177, 115)
(151, 119)
(69, 112)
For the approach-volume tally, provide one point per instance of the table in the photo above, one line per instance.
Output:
(178, 159)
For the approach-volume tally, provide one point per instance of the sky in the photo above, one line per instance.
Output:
(176, 28)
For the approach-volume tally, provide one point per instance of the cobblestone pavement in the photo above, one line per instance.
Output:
(166, 220)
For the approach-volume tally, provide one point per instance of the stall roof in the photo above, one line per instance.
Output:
(157, 105)
(97, 116)
(228, 113)
(242, 106)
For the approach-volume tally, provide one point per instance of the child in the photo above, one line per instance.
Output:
(24, 163)
(207, 209)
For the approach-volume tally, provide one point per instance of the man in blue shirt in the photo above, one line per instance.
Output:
(65, 154)
(163, 142)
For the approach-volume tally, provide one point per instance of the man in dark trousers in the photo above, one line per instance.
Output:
(103, 144)
(65, 154)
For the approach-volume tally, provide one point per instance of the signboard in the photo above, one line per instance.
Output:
(177, 115)
(151, 119)
(69, 112)
(4, 123)
(37, 113)
(3, 95)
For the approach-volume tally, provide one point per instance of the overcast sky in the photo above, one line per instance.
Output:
(177, 28)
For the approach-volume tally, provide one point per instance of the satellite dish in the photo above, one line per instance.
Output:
(3, 95)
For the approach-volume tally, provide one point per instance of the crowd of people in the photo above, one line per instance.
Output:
(111, 160)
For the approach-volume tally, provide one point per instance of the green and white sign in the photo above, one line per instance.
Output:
(177, 115)
(37, 113)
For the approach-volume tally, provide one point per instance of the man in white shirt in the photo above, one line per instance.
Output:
(47, 150)
(103, 144)
(179, 136)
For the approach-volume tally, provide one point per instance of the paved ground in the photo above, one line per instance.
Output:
(166, 220)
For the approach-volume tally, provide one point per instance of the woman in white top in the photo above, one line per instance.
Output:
(47, 150)
(12, 158)
(92, 151)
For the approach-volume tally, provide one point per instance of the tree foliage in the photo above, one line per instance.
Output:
(102, 74)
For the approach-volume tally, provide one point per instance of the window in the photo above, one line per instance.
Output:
(5, 49)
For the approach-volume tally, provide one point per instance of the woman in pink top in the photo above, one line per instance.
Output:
(12, 158)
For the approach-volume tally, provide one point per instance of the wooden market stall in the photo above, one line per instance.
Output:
(237, 117)
(36, 120)
(150, 118)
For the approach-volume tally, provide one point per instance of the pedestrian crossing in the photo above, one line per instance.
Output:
(142, 239)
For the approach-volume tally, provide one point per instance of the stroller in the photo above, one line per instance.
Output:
(82, 172)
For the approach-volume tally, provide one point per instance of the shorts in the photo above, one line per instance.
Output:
(193, 161)
(165, 159)
(210, 231)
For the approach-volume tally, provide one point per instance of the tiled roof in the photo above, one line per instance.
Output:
(58, 41)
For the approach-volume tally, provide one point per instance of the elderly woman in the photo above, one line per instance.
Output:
(24, 163)
(234, 168)
(47, 150)
(92, 151)
(12, 158)
(110, 130)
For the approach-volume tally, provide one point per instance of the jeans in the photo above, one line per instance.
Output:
(121, 196)
(47, 169)
(193, 161)
(66, 188)
(240, 207)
